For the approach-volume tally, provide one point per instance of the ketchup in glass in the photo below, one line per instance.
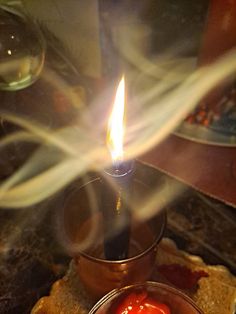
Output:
(141, 303)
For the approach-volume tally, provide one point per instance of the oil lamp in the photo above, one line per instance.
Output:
(117, 185)
(120, 249)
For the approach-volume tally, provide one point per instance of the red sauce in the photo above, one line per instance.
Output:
(140, 303)
(181, 276)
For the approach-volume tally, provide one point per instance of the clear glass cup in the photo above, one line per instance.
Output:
(81, 225)
(175, 300)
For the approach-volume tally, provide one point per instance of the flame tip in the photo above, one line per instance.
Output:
(115, 130)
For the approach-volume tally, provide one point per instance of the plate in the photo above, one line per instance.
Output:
(205, 135)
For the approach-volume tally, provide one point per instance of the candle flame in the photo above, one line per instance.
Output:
(115, 131)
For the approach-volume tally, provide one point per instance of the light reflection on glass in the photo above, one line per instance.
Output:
(22, 50)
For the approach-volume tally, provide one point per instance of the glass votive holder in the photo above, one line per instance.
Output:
(147, 296)
(83, 233)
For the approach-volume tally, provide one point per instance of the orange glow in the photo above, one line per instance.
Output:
(115, 131)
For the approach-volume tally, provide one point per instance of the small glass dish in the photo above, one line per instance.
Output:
(175, 300)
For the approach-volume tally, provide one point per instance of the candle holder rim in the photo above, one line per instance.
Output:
(143, 284)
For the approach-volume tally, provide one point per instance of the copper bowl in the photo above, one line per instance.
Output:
(84, 233)
(177, 302)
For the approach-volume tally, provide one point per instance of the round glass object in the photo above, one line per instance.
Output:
(22, 50)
